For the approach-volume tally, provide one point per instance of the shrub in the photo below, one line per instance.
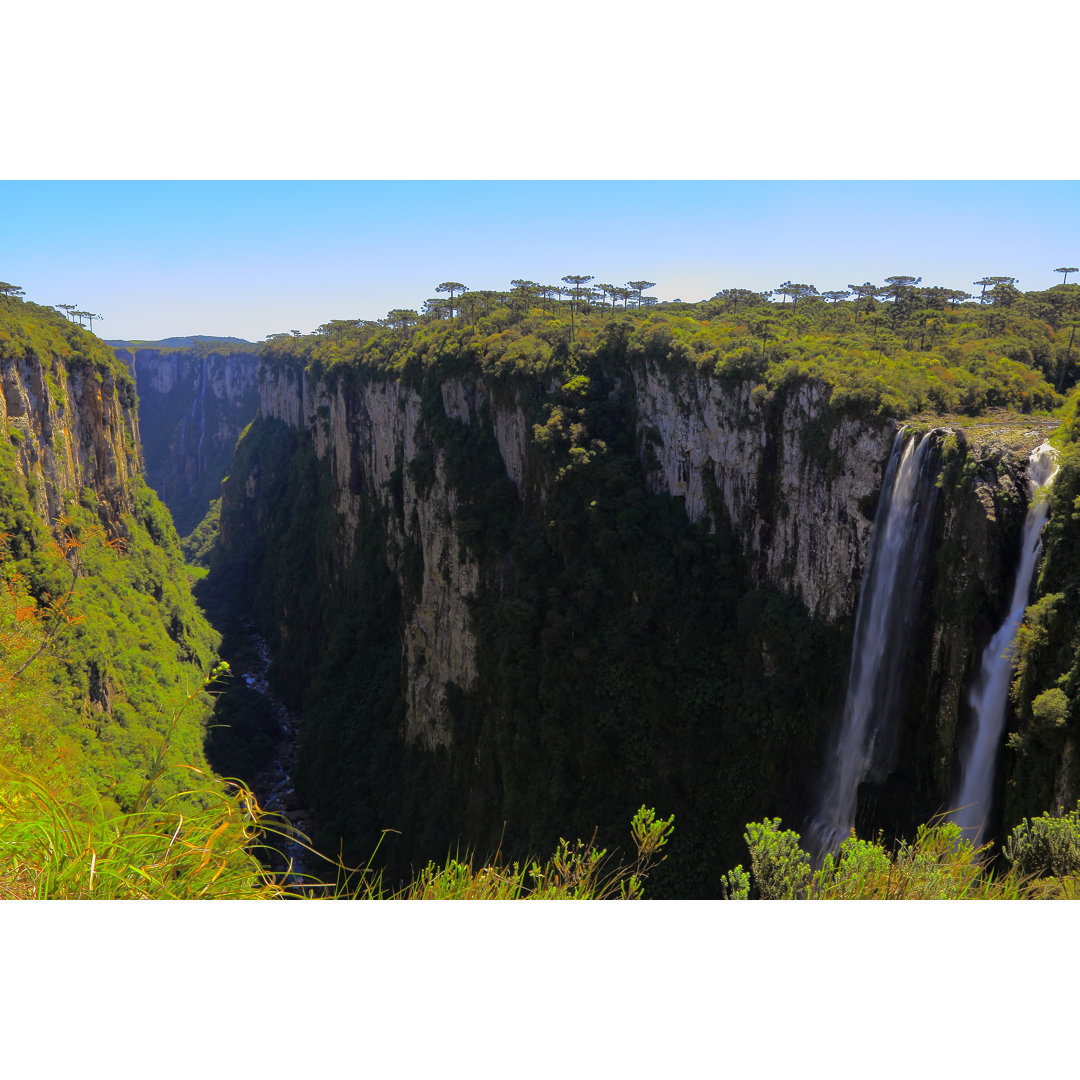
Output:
(1045, 845)
(780, 868)
(1051, 708)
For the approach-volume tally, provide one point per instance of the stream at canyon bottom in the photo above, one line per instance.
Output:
(273, 785)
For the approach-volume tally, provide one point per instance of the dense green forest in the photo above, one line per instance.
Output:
(896, 349)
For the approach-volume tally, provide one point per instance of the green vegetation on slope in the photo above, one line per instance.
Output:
(133, 643)
(28, 327)
(198, 545)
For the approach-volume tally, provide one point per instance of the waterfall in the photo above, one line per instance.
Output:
(990, 693)
(865, 741)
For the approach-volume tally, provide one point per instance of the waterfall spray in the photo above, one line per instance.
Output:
(990, 693)
(865, 741)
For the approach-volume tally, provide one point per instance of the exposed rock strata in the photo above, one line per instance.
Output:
(82, 432)
(368, 437)
(792, 479)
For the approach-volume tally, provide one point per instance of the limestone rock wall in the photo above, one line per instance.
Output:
(368, 437)
(796, 484)
(799, 508)
(72, 429)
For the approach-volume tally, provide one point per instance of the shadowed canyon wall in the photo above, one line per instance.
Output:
(193, 404)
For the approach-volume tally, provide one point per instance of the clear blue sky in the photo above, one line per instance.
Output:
(249, 258)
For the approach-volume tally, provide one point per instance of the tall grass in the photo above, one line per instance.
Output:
(51, 849)
(55, 849)
(197, 844)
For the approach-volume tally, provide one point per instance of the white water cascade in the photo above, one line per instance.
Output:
(989, 695)
(865, 741)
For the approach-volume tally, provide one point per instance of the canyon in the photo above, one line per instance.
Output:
(412, 474)
(512, 605)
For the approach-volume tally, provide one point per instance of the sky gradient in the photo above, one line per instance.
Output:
(251, 258)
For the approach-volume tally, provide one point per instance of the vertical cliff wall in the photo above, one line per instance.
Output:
(796, 481)
(793, 483)
(74, 426)
(193, 404)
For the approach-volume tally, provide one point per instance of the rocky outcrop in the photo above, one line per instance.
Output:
(74, 429)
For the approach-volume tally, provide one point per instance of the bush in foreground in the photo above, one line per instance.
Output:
(939, 864)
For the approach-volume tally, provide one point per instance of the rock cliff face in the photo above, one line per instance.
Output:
(792, 482)
(367, 437)
(73, 428)
(796, 484)
(193, 404)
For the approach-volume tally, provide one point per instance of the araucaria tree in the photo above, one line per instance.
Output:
(401, 318)
(639, 287)
(605, 291)
(899, 285)
(522, 291)
(988, 282)
(451, 287)
(901, 288)
(866, 291)
(1066, 270)
(733, 299)
(577, 284)
(797, 291)
(88, 315)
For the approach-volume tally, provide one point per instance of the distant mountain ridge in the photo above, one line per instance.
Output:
(180, 342)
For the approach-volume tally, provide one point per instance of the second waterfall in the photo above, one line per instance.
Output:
(865, 742)
(990, 695)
